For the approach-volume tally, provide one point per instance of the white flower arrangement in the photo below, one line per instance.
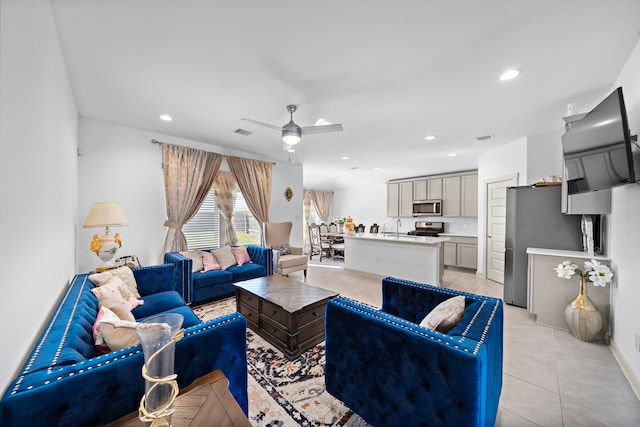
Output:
(598, 274)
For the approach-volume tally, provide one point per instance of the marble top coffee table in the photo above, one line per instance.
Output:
(286, 312)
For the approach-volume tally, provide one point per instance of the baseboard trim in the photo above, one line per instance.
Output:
(626, 369)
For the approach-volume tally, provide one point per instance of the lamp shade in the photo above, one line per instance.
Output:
(105, 214)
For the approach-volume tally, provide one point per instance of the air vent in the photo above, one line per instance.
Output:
(353, 168)
(243, 132)
(485, 137)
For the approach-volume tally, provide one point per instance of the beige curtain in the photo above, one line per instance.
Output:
(322, 202)
(306, 213)
(254, 180)
(224, 189)
(188, 176)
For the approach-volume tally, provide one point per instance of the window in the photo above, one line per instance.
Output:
(246, 226)
(204, 229)
(313, 215)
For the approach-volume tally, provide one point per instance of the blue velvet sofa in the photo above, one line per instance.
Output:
(393, 372)
(66, 382)
(205, 285)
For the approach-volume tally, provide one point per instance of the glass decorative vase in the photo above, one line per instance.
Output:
(158, 335)
(582, 315)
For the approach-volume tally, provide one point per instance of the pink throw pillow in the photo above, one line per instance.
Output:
(209, 262)
(241, 254)
(116, 289)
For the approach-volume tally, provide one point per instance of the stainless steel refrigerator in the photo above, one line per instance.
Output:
(534, 220)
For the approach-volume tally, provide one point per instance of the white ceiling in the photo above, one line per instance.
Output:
(392, 72)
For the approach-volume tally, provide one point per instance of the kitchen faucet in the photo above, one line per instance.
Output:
(398, 225)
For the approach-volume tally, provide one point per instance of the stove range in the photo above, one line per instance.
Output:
(429, 229)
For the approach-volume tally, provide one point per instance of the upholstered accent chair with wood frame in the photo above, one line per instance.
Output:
(286, 258)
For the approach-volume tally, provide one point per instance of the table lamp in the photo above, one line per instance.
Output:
(105, 214)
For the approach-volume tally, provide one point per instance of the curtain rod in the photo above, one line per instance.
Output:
(155, 141)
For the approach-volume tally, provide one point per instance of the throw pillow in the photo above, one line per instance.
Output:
(103, 314)
(116, 289)
(445, 315)
(283, 249)
(241, 254)
(208, 261)
(124, 273)
(194, 256)
(117, 306)
(225, 257)
(119, 334)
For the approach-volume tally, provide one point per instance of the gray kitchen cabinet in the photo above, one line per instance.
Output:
(400, 199)
(461, 252)
(393, 199)
(469, 196)
(427, 189)
(406, 199)
(451, 196)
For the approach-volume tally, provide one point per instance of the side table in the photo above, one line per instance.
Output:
(204, 403)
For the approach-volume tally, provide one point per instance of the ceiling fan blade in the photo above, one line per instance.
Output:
(263, 124)
(309, 130)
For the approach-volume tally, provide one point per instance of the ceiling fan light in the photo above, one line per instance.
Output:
(291, 136)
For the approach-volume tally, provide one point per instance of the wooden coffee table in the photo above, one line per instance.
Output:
(205, 402)
(286, 312)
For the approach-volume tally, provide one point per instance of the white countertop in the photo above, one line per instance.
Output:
(457, 235)
(565, 253)
(391, 238)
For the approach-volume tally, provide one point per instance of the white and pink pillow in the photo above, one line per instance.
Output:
(117, 290)
(209, 262)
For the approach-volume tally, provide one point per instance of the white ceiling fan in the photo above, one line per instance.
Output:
(292, 133)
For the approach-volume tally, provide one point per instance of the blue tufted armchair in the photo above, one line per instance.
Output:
(393, 372)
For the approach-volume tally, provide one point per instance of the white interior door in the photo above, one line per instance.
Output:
(496, 222)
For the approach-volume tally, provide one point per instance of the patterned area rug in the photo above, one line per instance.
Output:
(285, 392)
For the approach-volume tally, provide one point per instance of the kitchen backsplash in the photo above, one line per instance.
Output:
(461, 225)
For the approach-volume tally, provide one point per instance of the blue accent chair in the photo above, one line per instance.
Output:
(393, 372)
(201, 286)
(66, 382)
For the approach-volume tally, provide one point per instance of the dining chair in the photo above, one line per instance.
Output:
(319, 246)
(374, 229)
(360, 228)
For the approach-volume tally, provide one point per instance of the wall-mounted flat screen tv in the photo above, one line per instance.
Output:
(598, 151)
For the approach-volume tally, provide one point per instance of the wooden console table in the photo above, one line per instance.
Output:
(204, 403)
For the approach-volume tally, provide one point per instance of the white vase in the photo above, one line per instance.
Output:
(582, 315)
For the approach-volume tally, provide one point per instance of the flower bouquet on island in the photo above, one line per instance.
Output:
(582, 315)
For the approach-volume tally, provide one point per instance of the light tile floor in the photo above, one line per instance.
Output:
(550, 378)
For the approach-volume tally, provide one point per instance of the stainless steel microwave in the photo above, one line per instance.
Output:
(427, 208)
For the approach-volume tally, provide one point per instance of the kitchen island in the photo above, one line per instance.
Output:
(415, 258)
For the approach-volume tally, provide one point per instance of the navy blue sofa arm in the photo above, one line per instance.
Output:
(263, 256)
(181, 274)
(96, 391)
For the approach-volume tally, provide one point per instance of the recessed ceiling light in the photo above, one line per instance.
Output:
(376, 168)
(510, 74)
(452, 154)
(430, 137)
(165, 117)
(345, 158)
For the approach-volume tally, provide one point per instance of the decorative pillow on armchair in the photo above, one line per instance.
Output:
(241, 254)
(445, 316)
(225, 257)
(283, 249)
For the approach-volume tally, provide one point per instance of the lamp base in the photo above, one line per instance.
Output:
(108, 249)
